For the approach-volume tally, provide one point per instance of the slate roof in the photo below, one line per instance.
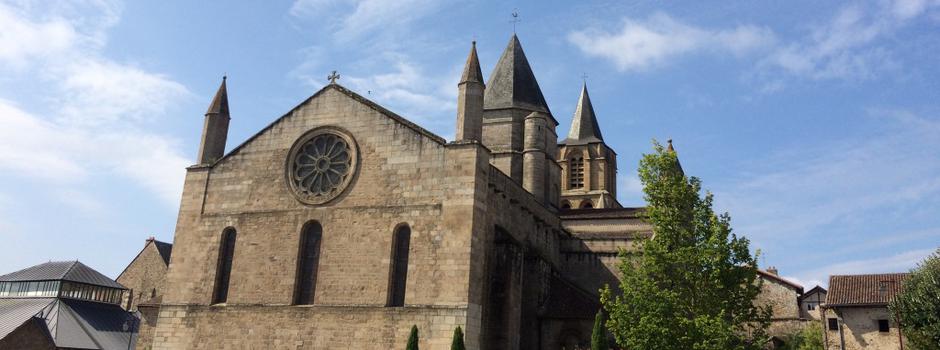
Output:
(471, 70)
(512, 83)
(584, 127)
(864, 290)
(73, 271)
(73, 324)
(219, 103)
(165, 250)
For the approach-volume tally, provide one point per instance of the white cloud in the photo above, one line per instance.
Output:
(21, 41)
(798, 192)
(98, 112)
(360, 17)
(630, 190)
(900, 262)
(644, 44)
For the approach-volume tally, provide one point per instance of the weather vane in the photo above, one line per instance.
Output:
(515, 19)
(332, 77)
(584, 77)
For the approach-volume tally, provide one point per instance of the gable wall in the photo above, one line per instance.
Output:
(143, 275)
(403, 177)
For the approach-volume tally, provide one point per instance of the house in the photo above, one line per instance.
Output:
(810, 301)
(856, 312)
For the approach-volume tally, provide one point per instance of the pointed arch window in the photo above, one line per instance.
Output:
(576, 173)
(308, 261)
(224, 267)
(398, 274)
(587, 204)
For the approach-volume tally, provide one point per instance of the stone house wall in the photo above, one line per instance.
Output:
(860, 329)
(144, 277)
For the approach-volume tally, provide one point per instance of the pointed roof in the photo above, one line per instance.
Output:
(584, 128)
(219, 103)
(471, 70)
(512, 83)
(62, 270)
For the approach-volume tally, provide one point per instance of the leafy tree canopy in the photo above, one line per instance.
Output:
(918, 305)
(694, 284)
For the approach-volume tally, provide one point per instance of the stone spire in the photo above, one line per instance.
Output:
(215, 128)
(584, 128)
(470, 100)
(512, 84)
(471, 70)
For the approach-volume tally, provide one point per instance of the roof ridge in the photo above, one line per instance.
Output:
(71, 266)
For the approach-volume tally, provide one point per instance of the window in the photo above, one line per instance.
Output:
(833, 324)
(399, 269)
(308, 259)
(883, 326)
(587, 204)
(811, 306)
(576, 173)
(224, 267)
(565, 205)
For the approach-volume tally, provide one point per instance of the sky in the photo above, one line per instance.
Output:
(815, 124)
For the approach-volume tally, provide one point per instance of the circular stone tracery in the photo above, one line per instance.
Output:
(321, 165)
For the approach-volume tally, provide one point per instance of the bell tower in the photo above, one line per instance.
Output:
(588, 165)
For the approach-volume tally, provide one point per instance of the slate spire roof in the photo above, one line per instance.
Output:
(512, 83)
(471, 70)
(584, 128)
(219, 103)
(73, 271)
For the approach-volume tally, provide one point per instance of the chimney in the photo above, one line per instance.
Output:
(773, 271)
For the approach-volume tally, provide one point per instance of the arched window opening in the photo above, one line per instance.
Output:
(565, 205)
(224, 267)
(401, 242)
(153, 293)
(308, 260)
(587, 204)
(576, 173)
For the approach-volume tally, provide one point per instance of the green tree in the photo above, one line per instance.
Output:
(694, 284)
(413, 339)
(808, 338)
(918, 305)
(457, 344)
(599, 334)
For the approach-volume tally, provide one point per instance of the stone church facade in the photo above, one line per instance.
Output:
(341, 224)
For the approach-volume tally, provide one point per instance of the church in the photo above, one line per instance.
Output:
(342, 224)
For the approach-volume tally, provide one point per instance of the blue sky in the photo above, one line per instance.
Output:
(816, 124)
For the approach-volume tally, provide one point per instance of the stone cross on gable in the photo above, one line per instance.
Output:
(332, 77)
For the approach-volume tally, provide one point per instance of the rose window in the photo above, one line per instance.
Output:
(321, 165)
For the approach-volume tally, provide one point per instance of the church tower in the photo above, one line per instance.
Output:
(588, 165)
(215, 128)
(519, 128)
(470, 100)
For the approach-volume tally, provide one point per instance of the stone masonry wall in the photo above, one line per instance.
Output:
(860, 329)
(147, 273)
(405, 175)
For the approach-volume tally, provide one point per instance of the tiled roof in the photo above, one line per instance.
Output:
(862, 290)
(73, 271)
